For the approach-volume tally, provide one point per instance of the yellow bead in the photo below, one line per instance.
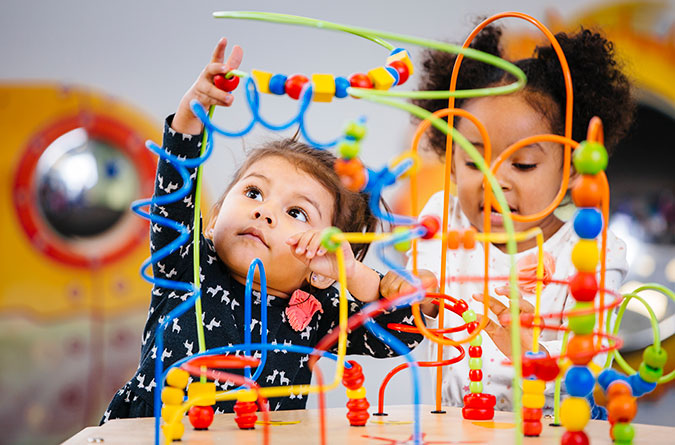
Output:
(575, 412)
(172, 396)
(356, 393)
(533, 386)
(170, 413)
(173, 431)
(534, 400)
(324, 87)
(178, 378)
(381, 78)
(247, 396)
(262, 80)
(403, 57)
(585, 255)
(205, 392)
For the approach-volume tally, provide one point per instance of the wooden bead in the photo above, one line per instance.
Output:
(588, 191)
(575, 412)
(580, 349)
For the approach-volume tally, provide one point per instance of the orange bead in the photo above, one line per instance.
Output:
(469, 238)
(588, 192)
(453, 239)
(618, 388)
(580, 349)
(622, 408)
(351, 173)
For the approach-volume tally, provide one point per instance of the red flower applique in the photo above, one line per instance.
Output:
(301, 308)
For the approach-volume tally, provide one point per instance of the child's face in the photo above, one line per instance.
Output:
(530, 178)
(272, 201)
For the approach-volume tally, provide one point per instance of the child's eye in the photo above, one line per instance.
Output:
(524, 167)
(471, 165)
(298, 214)
(253, 193)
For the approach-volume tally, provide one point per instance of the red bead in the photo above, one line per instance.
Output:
(479, 400)
(460, 307)
(529, 367)
(532, 428)
(294, 85)
(246, 416)
(547, 369)
(478, 413)
(201, 417)
(470, 327)
(432, 223)
(402, 70)
(360, 80)
(580, 349)
(475, 351)
(532, 413)
(225, 84)
(357, 411)
(574, 438)
(475, 375)
(352, 378)
(584, 286)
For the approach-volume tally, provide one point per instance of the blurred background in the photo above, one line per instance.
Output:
(84, 83)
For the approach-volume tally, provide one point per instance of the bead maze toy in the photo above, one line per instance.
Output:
(532, 369)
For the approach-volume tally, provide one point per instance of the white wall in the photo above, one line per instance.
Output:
(149, 52)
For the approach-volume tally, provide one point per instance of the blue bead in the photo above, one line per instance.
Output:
(607, 376)
(531, 354)
(639, 386)
(341, 85)
(396, 50)
(588, 223)
(278, 84)
(579, 381)
(394, 73)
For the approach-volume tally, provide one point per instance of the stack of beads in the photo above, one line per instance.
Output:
(590, 159)
(533, 395)
(477, 404)
(326, 86)
(357, 404)
(348, 167)
(245, 409)
(172, 399)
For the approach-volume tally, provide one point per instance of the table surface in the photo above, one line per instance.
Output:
(396, 428)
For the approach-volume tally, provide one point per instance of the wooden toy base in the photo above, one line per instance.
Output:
(395, 428)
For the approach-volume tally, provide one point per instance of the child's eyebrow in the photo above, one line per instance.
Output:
(310, 201)
(257, 175)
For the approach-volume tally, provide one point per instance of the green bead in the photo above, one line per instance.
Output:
(355, 130)
(348, 148)
(469, 316)
(477, 341)
(402, 246)
(475, 363)
(623, 432)
(649, 374)
(582, 324)
(655, 358)
(476, 387)
(326, 239)
(590, 158)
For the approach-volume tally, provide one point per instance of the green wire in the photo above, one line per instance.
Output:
(196, 232)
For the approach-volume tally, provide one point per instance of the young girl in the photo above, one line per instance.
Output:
(274, 209)
(530, 179)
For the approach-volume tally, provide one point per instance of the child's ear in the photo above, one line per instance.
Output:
(210, 225)
(319, 281)
(575, 177)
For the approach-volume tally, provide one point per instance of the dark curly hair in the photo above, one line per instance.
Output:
(600, 88)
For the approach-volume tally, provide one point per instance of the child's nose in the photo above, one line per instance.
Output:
(264, 214)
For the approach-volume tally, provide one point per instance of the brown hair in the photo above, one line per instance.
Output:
(351, 212)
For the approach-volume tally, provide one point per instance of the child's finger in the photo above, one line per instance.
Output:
(293, 239)
(314, 245)
(301, 245)
(219, 52)
(525, 306)
(491, 328)
(495, 305)
(234, 60)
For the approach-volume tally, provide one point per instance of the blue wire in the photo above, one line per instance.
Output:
(263, 315)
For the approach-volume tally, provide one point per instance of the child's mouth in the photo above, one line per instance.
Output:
(496, 218)
(254, 233)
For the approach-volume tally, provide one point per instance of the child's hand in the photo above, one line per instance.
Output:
(204, 91)
(501, 332)
(393, 285)
(362, 281)
(307, 248)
